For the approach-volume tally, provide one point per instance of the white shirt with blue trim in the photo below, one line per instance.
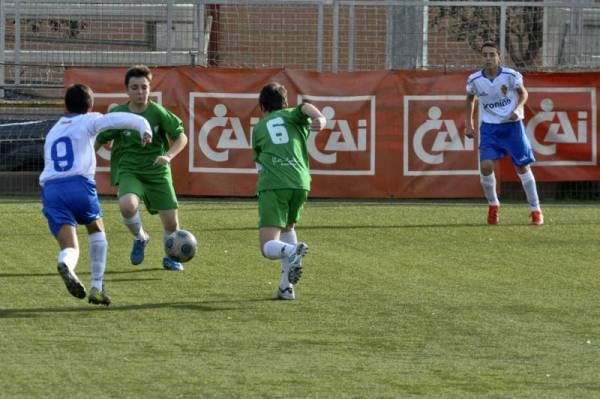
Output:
(497, 96)
(69, 145)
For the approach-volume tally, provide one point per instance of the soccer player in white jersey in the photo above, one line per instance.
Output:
(69, 194)
(501, 96)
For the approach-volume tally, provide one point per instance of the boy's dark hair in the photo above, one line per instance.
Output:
(489, 44)
(273, 97)
(138, 71)
(79, 98)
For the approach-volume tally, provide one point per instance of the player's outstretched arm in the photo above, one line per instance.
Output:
(318, 119)
(122, 120)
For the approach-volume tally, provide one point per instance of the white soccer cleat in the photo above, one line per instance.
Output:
(295, 262)
(286, 294)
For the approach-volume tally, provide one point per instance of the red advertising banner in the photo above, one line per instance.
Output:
(389, 134)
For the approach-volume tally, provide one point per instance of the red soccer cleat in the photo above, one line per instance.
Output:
(493, 214)
(537, 218)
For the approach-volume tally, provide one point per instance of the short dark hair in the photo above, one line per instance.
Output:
(79, 98)
(138, 71)
(273, 97)
(489, 44)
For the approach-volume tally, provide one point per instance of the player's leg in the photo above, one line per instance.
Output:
(287, 235)
(68, 257)
(98, 251)
(170, 222)
(160, 198)
(529, 186)
(294, 263)
(272, 212)
(488, 154)
(278, 239)
(522, 157)
(131, 190)
(57, 197)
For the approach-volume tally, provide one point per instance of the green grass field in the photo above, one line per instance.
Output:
(398, 300)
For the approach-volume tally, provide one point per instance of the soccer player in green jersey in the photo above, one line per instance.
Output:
(144, 173)
(281, 155)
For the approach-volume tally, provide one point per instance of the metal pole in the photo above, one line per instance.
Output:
(17, 68)
(169, 29)
(351, 34)
(336, 37)
(320, 38)
(2, 47)
(199, 32)
(503, 33)
(389, 29)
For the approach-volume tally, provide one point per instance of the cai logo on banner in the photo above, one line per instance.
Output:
(103, 102)
(346, 146)
(434, 142)
(221, 127)
(560, 123)
(222, 124)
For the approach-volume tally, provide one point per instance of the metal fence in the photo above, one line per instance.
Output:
(38, 39)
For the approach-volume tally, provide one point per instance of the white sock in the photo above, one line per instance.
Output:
(98, 249)
(289, 237)
(528, 182)
(489, 188)
(276, 249)
(134, 224)
(70, 257)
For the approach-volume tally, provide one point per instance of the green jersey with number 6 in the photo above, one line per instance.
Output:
(280, 149)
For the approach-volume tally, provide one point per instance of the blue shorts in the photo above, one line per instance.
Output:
(501, 139)
(70, 200)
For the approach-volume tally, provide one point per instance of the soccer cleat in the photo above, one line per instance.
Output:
(98, 297)
(493, 214)
(74, 286)
(537, 218)
(171, 264)
(285, 294)
(137, 252)
(295, 262)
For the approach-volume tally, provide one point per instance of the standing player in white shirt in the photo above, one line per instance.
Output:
(501, 95)
(69, 194)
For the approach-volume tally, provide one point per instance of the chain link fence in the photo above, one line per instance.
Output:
(38, 39)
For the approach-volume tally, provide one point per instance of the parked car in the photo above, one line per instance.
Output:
(22, 145)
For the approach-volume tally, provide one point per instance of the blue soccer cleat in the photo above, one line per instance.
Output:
(137, 252)
(173, 265)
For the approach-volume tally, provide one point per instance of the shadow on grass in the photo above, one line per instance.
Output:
(304, 227)
(83, 273)
(206, 306)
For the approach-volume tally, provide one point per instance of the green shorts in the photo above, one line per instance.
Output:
(280, 208)
(156, 191)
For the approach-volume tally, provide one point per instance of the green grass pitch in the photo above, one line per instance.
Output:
(398, 300)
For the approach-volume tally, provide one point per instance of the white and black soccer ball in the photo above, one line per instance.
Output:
(181, 245)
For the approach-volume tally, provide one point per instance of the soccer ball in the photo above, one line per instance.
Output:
(181, 245)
